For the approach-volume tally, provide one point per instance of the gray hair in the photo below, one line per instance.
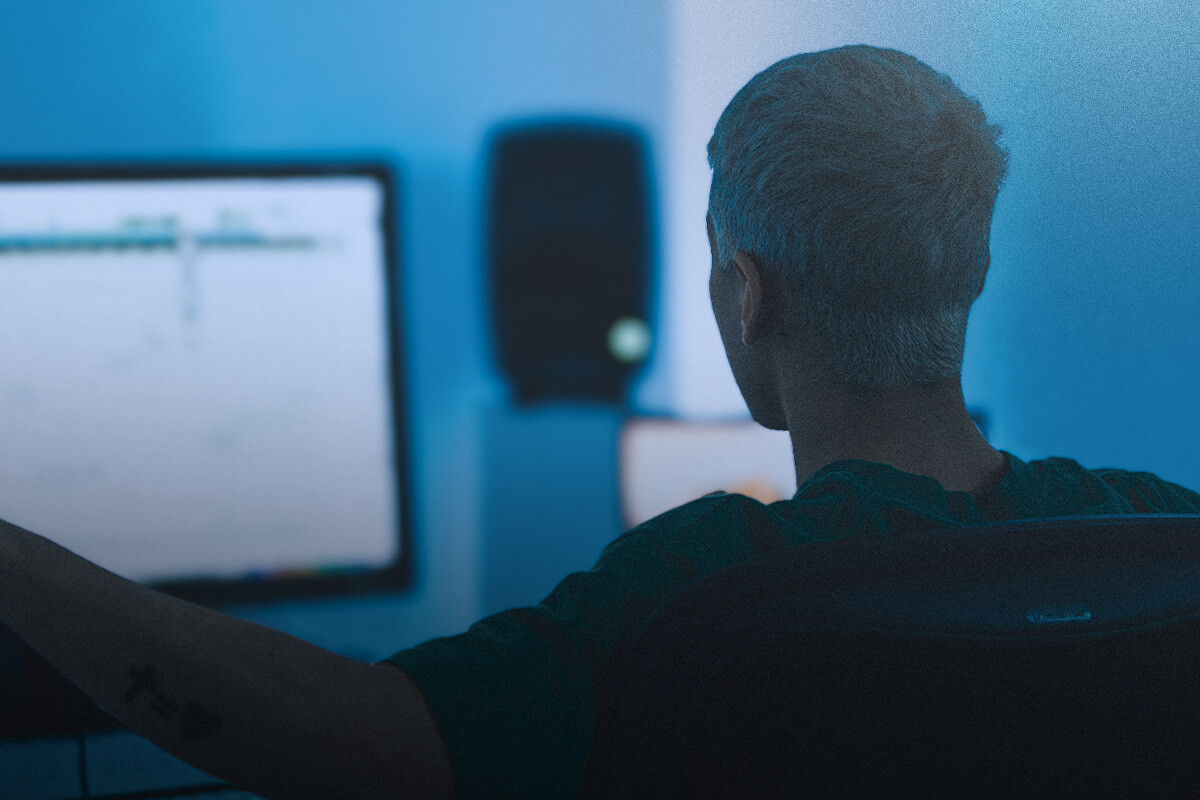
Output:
(863, 181)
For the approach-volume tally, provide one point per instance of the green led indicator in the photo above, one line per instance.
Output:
(629, 340)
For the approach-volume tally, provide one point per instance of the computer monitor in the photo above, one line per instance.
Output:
(666, 462)
(201, 381)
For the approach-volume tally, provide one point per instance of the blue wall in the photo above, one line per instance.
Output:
(1089, 313)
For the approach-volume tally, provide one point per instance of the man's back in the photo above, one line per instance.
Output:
(513, 695)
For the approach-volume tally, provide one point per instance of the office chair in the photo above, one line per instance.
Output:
(1050, 658)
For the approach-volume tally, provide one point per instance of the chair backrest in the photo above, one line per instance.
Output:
(1053, 657)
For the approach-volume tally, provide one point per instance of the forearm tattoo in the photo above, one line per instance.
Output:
(195, 720)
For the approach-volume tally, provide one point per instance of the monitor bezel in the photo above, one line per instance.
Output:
(392, 578)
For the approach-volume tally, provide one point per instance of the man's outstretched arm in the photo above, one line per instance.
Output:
(263, 710)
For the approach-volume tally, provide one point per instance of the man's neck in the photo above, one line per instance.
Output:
(926, 431)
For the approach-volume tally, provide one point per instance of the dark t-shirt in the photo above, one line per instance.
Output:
(513, 695)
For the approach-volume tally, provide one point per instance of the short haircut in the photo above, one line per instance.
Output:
(863, 181)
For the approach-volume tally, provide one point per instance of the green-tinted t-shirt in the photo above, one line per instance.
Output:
(513, 695)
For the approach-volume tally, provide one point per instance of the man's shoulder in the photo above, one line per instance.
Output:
(715, 529)
(1148, 492)
(1143, 491)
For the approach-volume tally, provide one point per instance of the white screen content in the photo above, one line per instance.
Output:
(194, 374)
(666, 463)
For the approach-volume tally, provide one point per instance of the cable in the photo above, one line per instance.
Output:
(84, 790)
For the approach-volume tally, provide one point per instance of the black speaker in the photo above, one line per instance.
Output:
(569, 244)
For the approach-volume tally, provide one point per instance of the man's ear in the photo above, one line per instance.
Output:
(754, 318)
(984, 278)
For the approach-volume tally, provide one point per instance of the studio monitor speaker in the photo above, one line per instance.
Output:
(569, 252)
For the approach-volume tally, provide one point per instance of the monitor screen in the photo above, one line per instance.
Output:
(200, 374)
(667, 462)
